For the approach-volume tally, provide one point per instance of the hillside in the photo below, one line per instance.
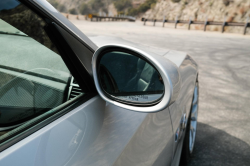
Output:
(108, 7)
(213, 10)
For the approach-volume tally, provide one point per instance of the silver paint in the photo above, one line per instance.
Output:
(188, 72)
(95, 134)
(98, 133)
(168, 71)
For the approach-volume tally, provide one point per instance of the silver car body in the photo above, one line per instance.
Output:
(98, 133)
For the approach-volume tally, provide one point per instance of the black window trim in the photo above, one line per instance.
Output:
(57, 38)
(43, 13)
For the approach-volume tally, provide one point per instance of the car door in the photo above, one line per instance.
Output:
(61, 119)
(180, 110)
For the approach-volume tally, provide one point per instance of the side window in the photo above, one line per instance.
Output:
(33, 77)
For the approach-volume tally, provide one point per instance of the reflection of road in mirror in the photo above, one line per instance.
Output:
(216, 147)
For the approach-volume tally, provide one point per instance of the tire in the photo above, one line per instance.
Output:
(190, 135)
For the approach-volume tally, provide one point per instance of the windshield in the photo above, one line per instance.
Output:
(6, 29)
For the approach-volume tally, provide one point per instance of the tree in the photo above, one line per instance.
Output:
(73, 11)
(142, 8)
(95, 5)
(84, 9)
(120, 5)
(62, 8)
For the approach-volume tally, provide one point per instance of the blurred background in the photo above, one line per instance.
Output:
(198, 10)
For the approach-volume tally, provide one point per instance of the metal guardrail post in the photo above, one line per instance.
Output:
(189, 23)
(223, 25)
(154, 21)
(246, 25)
(205, 25)
(164, 19)
(176, 22)
(110, 18)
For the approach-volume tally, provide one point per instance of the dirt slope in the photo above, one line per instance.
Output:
(214, 10)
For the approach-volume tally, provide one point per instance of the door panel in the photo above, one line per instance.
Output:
(181, 107)
(63, 142)
(151, 144)
(95, 134)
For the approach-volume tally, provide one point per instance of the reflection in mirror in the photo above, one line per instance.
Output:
(130, 78)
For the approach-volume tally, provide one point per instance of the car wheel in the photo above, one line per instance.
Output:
(189, 140)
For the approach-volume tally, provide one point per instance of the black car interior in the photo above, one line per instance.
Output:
(129, 74)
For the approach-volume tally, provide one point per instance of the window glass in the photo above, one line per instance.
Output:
(33, 76)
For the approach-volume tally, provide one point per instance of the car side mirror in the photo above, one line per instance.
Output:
(134, 79)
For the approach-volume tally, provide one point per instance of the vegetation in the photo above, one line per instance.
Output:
(121, 5)
(58, 6)
(175, 1)
(62, 8)
(94, 6)
(73, 11)
(226, 2)
(142, 8)
(84, 9)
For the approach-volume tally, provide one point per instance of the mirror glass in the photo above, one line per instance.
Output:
(129, 78)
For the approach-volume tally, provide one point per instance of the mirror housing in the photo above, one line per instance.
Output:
(167, 70)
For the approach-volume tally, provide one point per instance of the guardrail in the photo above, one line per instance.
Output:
(111, 18)
(205, 23)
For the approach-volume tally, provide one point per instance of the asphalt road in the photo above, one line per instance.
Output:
(223, 136)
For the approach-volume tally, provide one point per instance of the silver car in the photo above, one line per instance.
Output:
(66, 99)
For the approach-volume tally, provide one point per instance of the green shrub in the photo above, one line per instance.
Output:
(62, 8)
(95, 5)
(142, 8)
(120, 5)
(73, 11)
(105, 10)
(132, 12)
(226, 2)
(84, 9)
(175, 1)
(152, 5)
